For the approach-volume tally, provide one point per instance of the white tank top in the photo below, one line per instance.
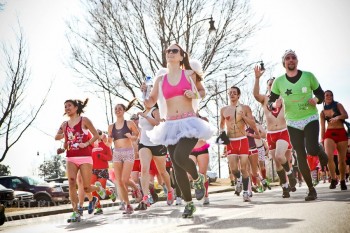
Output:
(145, 126)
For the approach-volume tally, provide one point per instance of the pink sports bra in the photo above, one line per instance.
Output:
(170, 91)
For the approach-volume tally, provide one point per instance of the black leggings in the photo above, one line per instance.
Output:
(179, 154)
(301, 139)
(173, 182)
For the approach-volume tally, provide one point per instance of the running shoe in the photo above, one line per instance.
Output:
(98, 211)
(246, 197)
(137, 195)
(150, 199)
(92, 205)
(343, 185)
(189, 210)
(2, 214)
(260, 189)
(128, 210)
(199, 187)
(75, 217)
(250, 193)
(80, 210)
(285, 193)
(266, 184)
(153, 195)
(238, 188)
(314, 178)
(142, 206)
(122, 205)
(292, 182)
(254, 189)
(112, 196)
(333, 184)
(170, 197)
(312, 195)
(101, 192)
(165, 190)
(206, 201)
(178, 201)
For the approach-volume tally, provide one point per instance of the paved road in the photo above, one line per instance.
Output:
(267, 212)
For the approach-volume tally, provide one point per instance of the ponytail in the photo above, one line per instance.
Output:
(78, 103)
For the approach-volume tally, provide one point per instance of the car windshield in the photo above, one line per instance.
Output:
(32, 180)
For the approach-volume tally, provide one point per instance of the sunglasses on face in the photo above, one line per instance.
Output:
(174, 51)
(291, 58)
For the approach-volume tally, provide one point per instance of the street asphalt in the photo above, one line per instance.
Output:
(35, 212)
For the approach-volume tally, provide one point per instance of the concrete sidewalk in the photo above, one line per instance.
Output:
(52, 210)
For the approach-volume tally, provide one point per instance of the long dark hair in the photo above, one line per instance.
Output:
(130, 104)
(185, 63)
(78, 103)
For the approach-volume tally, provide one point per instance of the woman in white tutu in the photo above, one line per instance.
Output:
(178, 92)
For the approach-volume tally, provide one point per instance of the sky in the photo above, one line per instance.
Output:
(318, 31)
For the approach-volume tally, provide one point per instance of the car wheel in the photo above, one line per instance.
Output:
(43, 200)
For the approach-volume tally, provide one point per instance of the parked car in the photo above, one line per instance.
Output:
(44, 193)
(64, 181)
(212, 176)
(24, 199)
(7, 196)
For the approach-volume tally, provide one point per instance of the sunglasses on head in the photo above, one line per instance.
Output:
(174, 51)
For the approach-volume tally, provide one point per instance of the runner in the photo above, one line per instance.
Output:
(136, 169)
(178, 92)
(334, 136)
(75, 131)
(101, 154)
(297, 88)
(151, 152)
(234, 118)
(277, 136)
(122, 133)
(200, 156)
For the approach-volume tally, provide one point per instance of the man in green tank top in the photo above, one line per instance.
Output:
(300, 92)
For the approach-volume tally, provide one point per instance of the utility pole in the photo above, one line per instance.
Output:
(217, 125)
(226, 89)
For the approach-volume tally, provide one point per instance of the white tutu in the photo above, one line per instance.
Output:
(171, 131)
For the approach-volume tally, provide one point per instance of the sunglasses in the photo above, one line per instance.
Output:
(291, 58)
(174, 51)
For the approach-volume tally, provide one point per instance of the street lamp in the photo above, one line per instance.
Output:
(211, 25)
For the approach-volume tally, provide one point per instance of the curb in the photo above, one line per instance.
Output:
(35, 213)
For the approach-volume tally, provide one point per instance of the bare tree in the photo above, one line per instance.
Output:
(119, 42)
(15, 120)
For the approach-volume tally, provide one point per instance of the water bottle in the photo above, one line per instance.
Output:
(149, 84)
